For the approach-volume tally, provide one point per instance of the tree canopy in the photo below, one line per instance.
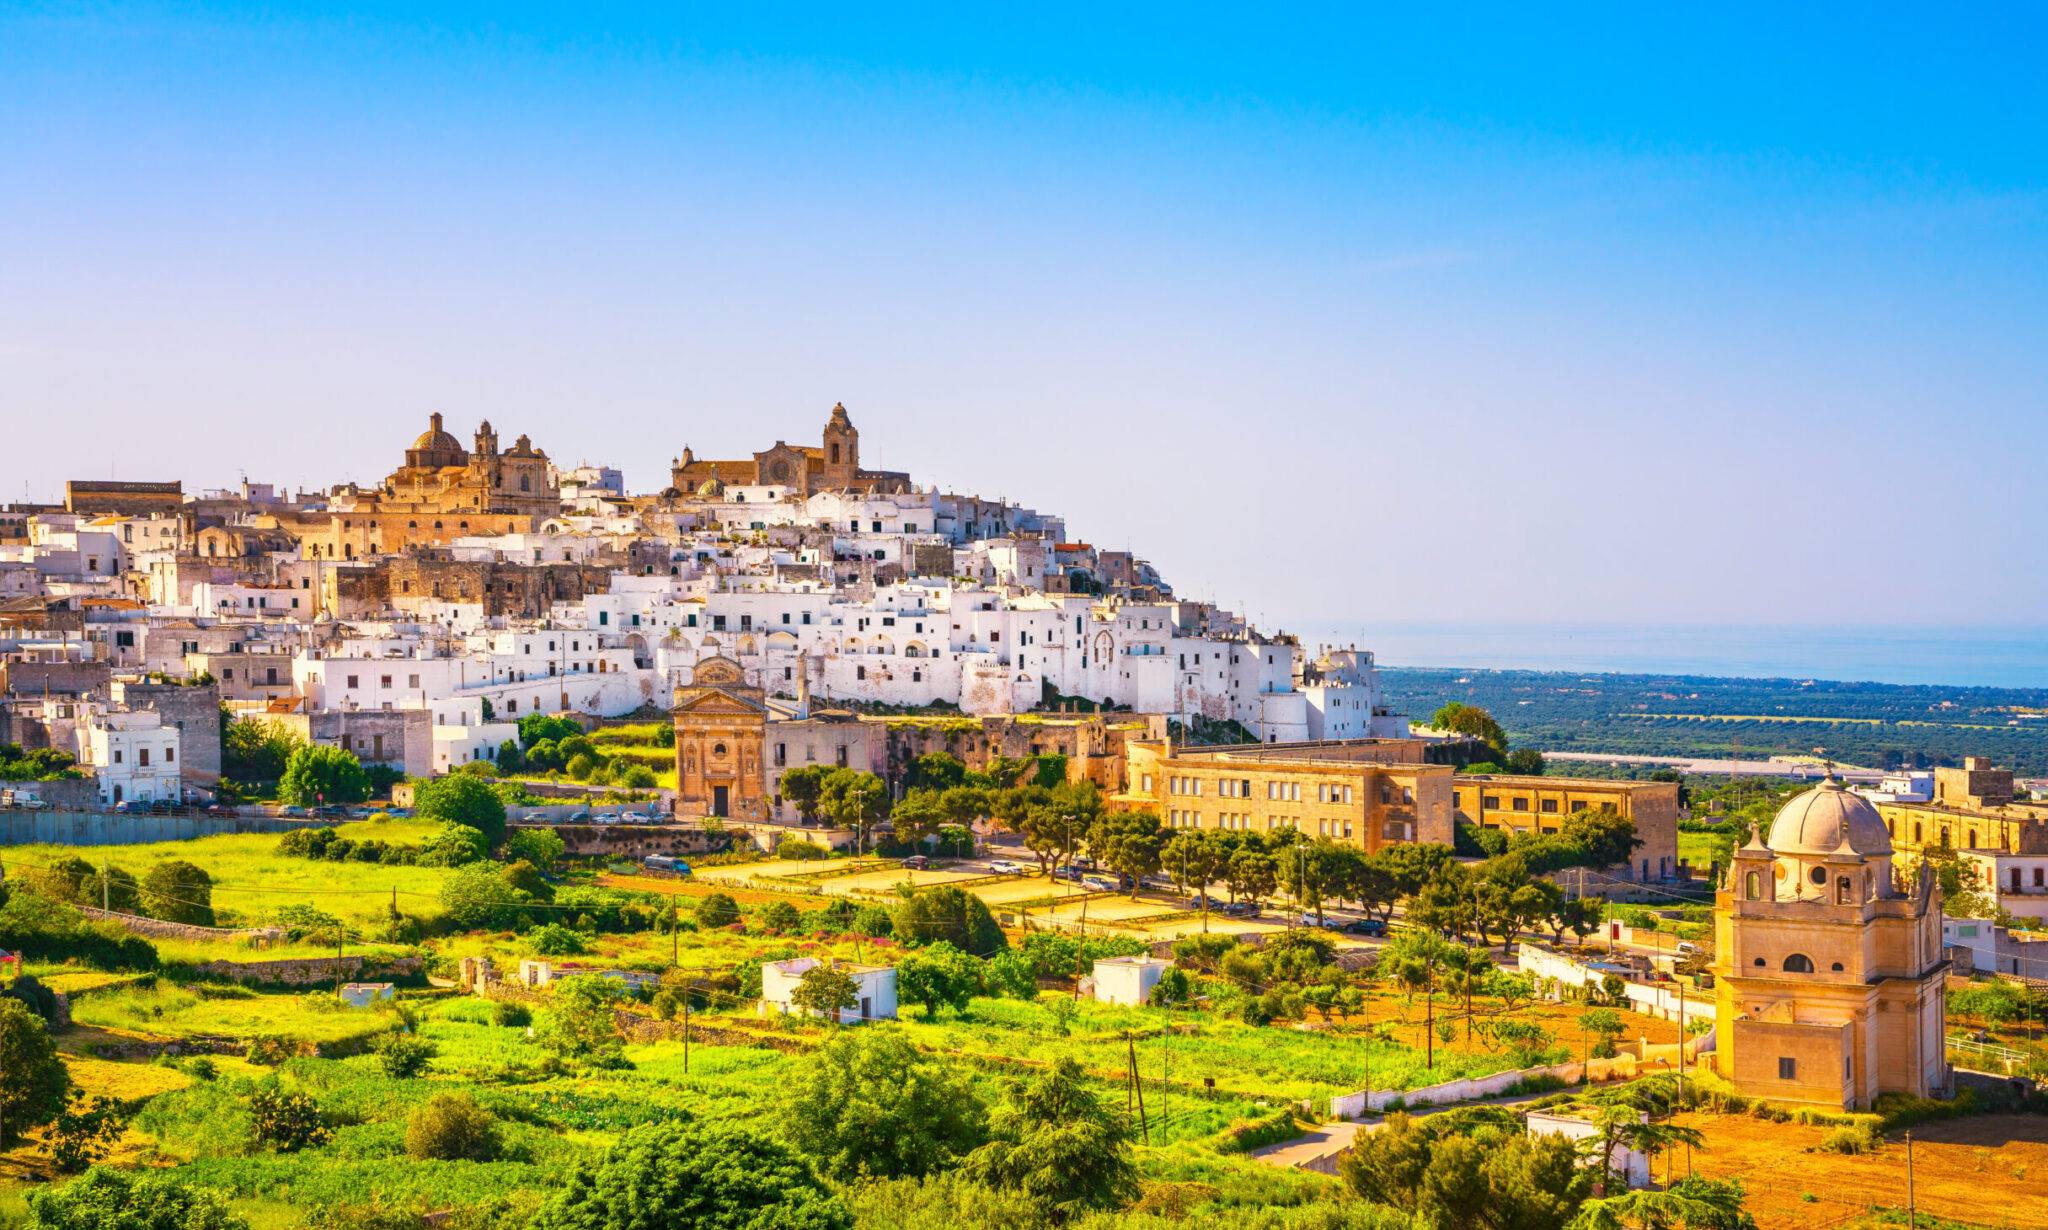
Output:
(868, 1103)
(317, 774)
(462, 799)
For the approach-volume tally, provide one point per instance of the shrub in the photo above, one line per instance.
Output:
(198, 1067)
(1850, 1140)
(717, 910)
(1247, 1134)
(504, 1012)
(103, 1199)
(404, 1055)
(464, 800)
(271, 1050)
(286, 1121)
(555, 940)
(672, 1176)
(34, 1088)
(179, 892)
(781, 918)
(798, 848)
(451, 1128)
(873, 920)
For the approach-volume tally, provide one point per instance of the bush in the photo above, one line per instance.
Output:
(781, 918)
(672, 1176)
(103, 1199)
(505, 1012)
(84, 1133)
(798, 848)
(717, 910)
(179, 892)
(451, 1128)
(464, 800)
(404, 1055)
(873, 920)
(35, 1084)
(1247, 1134)
(555, 940)
(286, 1121)
(1850, 1140)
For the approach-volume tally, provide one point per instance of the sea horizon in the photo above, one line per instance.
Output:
(2008, 657)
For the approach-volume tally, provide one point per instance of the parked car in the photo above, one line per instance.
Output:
(1241, 909)
(1004, 867)
(1100, 884)
(21, 798)
(581, 817)
(1068, 872)
(398, 813)
(533, 817)
(130, 807)
(1364, 926)
(292, 811)
(605, 817)
(916, 862)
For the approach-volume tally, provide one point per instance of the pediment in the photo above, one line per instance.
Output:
(713, 700)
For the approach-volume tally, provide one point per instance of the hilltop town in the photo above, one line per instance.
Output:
(806, 844)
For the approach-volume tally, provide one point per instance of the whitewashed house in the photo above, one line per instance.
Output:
(875, 985)
(1128, 980)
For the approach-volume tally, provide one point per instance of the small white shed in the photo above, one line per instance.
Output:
(1128, 980)
(1632, 1162)
(874, 984)
(363, 994)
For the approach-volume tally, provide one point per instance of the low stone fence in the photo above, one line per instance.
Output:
(157, 928)
(1664, 1000)
(143, 1048)
(1352, 1105)
(635, 841)
(307, 971)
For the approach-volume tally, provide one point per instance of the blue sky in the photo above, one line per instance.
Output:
(1733, 316)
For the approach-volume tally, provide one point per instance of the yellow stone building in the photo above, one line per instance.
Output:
(441, 493)
(1369, 793)
(721, 723)
(833, 465)
(1539, 805)
(1829, 973)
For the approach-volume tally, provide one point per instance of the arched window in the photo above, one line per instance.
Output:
(412, 525)
(1845, 892)
(1798, 963)
(1973, 839)
(718, 749)
(1753, 886)
(1838, 967)
(1916, 830)
(1758, 961)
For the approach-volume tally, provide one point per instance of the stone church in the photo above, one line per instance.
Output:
(832, 466)
(1829, 973)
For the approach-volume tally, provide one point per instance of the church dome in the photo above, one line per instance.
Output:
(1819, 820)
(435, 448)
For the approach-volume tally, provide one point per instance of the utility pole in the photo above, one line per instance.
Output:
(104, 897)
(686, 1030)
(1912, 1217)
(1138, 1086)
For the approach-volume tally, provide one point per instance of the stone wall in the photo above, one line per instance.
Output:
(157, 928)
(311, 971)
(97, 828)
(525, 591)
(636, 841)
(82, 794)
(1094, 749)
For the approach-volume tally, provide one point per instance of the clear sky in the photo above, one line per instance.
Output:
(1674, 315)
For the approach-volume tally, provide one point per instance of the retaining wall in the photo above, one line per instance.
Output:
(157, 928)
(99, 828)
(306, 971)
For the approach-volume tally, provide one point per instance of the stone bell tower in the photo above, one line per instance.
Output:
(842, 450)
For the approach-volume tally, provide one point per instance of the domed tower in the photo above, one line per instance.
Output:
(1828, 967)
(435, 448)
(842, 450)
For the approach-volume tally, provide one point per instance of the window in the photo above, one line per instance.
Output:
(117, 755)
(1788, 1069)
(412, 681)
(384, 681)
(1550, 806)
(1838, 967)
(1753, 886)
(860, 672)
(1798, 963)
(1521, 805)
(142, 757)
(352, 682)
(785, 617)
(1489, 802)
(1845, 892)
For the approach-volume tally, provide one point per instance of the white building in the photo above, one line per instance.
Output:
(1632, 1162)
(875, 985)
(134, 755)
(1128, 980)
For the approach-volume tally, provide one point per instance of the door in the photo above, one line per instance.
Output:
(718, 800)
(867, 1008)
